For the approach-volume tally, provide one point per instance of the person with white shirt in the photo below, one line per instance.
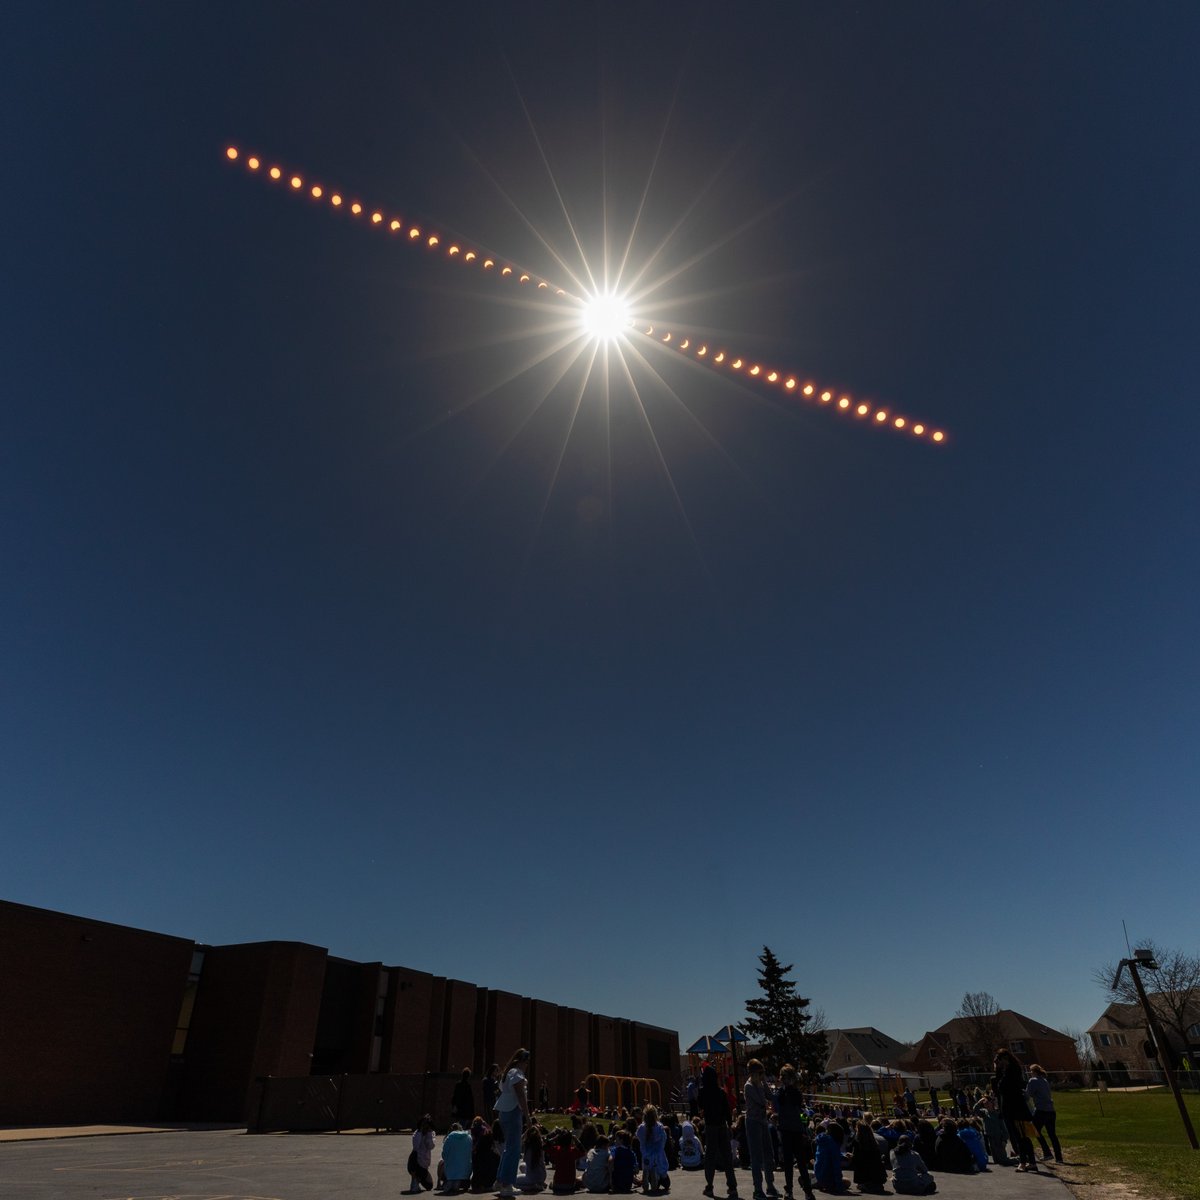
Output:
(512, 1107)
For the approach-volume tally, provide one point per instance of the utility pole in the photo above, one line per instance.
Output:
(1145, 959)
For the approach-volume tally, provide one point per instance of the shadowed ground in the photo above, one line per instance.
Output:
(231, 1165)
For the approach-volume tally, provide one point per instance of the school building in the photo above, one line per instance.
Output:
(107, 1024)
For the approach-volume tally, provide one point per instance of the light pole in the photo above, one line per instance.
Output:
(1145, 958)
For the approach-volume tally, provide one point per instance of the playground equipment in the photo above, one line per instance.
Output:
(627, 1088)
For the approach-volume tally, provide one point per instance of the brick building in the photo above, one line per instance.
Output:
(103, 1023)
(949, 1051)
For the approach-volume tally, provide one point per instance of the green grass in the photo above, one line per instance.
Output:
(1137, 1134)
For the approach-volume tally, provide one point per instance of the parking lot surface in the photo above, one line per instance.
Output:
(233, 1165)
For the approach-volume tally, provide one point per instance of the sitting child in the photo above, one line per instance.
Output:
(534, 1178)
(911, 1177)
(624, 1164)
(652, 1138)
(486, 1155)
(968, 1132)
(951, 1152)
(562, 1154)
(454, 1171)
(421, 1156)
(597, 1172)
(691, 1153)
(827, 1165)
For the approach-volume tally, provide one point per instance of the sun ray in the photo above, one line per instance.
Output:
(562, 453)
(649, 178)
(700, 195)
(469, 402)
(704, 429)
(516, 208)
(562, 204)
(503, 449)
(660, 281)
(637, 395)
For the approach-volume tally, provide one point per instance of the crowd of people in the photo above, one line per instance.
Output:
(777, 1128)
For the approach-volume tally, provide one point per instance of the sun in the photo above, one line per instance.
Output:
(606, 316)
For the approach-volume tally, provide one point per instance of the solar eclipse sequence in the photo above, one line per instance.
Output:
(602, 315)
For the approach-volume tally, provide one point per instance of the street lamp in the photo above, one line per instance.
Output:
(1145, 959)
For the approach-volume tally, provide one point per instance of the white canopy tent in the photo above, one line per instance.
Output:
(863, 1071)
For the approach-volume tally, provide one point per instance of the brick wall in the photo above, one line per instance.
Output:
(256, 1014)
(87, 1013)
(92, 1010)
(410, 1027)
(458, 1027)
(505, 1033)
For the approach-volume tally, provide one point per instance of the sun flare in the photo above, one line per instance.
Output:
(606, 316)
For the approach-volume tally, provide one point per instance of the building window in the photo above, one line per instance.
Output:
(1104, 1040)
(1119, 1039)
(1017, 1047)
(1193, 1031)
(179, 1043)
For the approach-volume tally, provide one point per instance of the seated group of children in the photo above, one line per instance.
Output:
(589, 1161)
(911, 1149)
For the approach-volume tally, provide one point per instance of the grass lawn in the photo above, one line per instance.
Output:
(1137, 1136)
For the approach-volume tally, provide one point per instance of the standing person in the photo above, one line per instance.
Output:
(910, 1102)
(934, 1107)
(462, 1102)
(512, 1106)
(582, 1097)
(1037, 1092)
(794, 1138)
(718, 1155)
(995, 1132)
(762, 1157)
(1014, 1108)
(693, 1097)
(491, 1088)
(544, 1096)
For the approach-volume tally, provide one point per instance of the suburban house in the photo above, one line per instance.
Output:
(951, 1050)
(864, 1046)
(1120, 1039)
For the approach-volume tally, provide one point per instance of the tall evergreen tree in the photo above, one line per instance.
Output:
(779, 1021)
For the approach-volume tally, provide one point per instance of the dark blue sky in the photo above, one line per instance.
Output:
(287, 653)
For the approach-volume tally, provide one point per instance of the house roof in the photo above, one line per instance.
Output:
(873, 1045)
(1120, 1016)
(1130, 1016)
(1012, 1026)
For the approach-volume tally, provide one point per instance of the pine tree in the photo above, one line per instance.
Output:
(779, 1023)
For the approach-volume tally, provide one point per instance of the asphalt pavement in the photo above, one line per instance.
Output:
(225, 1164)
